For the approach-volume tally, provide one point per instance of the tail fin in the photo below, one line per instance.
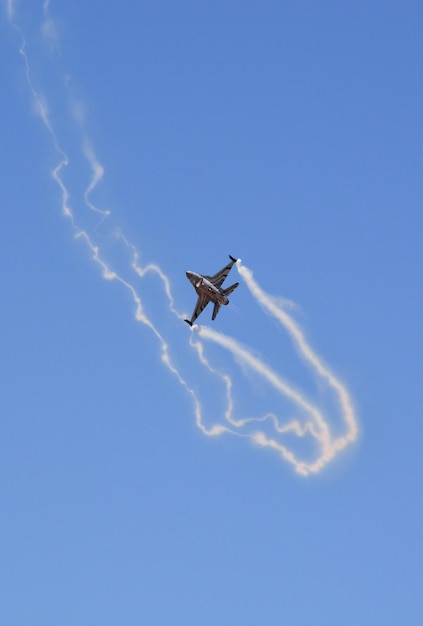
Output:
(230, 289)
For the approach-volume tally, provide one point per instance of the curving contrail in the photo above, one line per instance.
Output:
(310, 423)
(315, 422)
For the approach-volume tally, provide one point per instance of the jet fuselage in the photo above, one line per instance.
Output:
(204, 286)
(209, 289)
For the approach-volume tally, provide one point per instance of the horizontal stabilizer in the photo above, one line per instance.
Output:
(230, 289)
(215, 310)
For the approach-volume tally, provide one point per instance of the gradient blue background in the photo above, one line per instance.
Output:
(286, 133)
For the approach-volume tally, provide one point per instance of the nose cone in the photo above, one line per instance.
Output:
(192, 277)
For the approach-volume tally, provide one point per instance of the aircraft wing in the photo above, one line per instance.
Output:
(218, 278)
(202, 302)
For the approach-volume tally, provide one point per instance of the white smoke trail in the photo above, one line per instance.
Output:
(49, 28)
(10, 10)
(317, 424)
(97, 174)
(41, 109)
(271, 306)
(312, 422)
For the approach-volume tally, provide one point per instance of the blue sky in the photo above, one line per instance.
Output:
(288, 134)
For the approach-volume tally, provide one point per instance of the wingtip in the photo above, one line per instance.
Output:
(188, 322)
(233, 259)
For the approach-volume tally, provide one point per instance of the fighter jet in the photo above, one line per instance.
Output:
(209, 289)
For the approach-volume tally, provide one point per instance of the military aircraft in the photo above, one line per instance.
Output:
(209, 289)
